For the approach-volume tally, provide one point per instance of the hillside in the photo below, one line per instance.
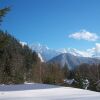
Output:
(16, 60)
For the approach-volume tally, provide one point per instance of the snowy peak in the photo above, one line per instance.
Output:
(63, 50)
(23, 43)
(47, 53)
(76, 52)
(39, 48)
(44, 51)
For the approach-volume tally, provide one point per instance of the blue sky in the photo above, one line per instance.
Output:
(54, 22)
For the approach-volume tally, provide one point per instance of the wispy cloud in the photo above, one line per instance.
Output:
(84, 35)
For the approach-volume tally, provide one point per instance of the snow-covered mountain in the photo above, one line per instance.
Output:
(72, 61)
(75, 52)
(47, 53)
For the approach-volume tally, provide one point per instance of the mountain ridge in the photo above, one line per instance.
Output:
(47, 53)
(73, 61)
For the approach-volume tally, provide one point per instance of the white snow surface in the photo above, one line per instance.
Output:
(45, 92)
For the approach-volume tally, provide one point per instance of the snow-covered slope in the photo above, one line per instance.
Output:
(79, 53)
(41, 58)
(51, 92)
(72, 61)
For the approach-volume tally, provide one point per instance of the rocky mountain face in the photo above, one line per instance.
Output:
(73, 61)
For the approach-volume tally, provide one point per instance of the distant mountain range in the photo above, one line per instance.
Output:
(47, 53)
(71, 57)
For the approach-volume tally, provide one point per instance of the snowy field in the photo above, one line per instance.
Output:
(45, 92)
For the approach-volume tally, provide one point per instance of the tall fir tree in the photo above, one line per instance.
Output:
(3, 12)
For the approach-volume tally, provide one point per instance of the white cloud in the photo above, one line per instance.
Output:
(84, 35)
(95, 51)
(97, 48)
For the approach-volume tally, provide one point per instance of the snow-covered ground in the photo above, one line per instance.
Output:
(45, 92)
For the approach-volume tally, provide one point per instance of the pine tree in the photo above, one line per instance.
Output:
(3, 12)
(66, 71)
